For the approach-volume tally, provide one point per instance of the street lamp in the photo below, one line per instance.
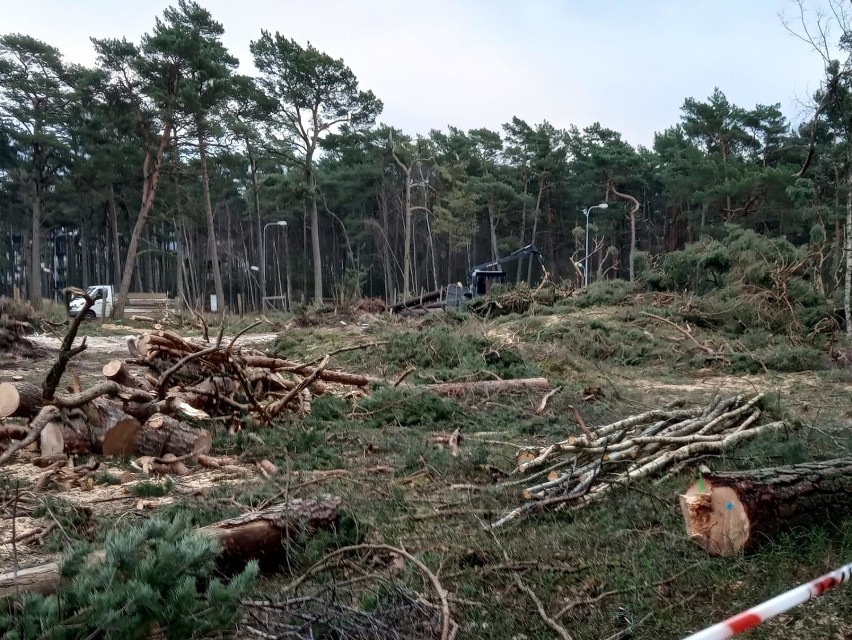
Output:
(279, 223)
(587, 211)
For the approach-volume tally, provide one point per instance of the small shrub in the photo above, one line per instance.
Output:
(154, 578)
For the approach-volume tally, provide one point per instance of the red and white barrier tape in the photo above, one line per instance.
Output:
(771, 608)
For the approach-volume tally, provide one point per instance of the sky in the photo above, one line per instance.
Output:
(628, 64)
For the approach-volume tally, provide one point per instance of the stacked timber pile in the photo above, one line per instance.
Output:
(579, 470)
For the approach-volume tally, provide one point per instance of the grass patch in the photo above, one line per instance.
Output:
(151, 488)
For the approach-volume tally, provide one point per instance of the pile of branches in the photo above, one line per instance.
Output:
(225, 381)
(519, 299)
(579, 470)
(335, 612)
(15, 324)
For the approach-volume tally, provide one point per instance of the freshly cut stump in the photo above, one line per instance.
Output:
(732, 513)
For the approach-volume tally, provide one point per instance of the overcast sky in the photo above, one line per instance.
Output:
(628, 64)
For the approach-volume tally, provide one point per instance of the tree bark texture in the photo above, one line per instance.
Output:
(162, 434)
(150, 180)
(211, 226)
(731, 513)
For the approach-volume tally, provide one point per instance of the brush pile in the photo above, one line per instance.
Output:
(579, 470)
(15, 325)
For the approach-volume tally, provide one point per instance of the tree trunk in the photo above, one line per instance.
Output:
(847, 294)
(259, 248)
(535, 227)
(731, 513)
(179, 270)
(211, 227)
(35, 266)
(150, 180)
(315, 236)
(492, 224)
(634, 209)
(258, 535)
(407, 235)
(523, 227)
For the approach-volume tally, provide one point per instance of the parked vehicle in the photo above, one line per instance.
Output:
(103, 305)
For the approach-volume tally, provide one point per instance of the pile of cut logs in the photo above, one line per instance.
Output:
(146, 404)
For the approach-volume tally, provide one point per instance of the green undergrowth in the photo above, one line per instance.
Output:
(438, 353)
(156, 577)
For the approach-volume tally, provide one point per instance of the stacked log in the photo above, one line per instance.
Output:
(579, 470)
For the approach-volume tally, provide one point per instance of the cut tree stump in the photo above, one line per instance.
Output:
(162, 434)
(259, 535)
(734, 512)
(20, 399)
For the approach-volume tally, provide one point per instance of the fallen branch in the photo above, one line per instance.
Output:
(703, 347)
(436, 584)
(67, 351)
(542, 407)
(41, 421)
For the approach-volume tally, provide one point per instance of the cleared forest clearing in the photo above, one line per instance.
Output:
(420, 478)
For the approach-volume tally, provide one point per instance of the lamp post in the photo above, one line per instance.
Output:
(279, 223)
(587, 211)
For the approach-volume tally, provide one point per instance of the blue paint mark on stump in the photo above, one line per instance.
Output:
(729, 506)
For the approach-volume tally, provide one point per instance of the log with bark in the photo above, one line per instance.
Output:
(584, 468)
(162, 434)
(416, 301)
(734, 512)
(259, 535)
(96, 427)
(118, 371)
(20, 399)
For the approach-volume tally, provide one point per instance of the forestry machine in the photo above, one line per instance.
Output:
(481, 277)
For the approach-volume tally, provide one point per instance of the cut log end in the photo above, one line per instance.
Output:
(716, 519)
(9, 399)
(121, 439)
(19, 399)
